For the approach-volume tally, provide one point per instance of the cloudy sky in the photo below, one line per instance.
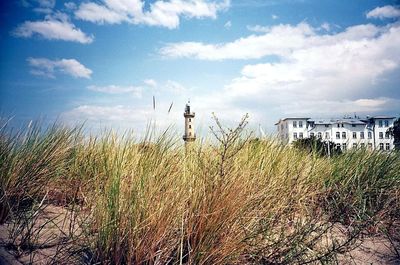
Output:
(103, 61)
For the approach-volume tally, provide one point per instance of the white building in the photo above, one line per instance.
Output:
(189, 135)
(346, 133)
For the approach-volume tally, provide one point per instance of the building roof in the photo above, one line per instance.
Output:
(291, 118)
(334, 121)
(382, 117)
(355, 121)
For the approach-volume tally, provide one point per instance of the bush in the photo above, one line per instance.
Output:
(317, 146)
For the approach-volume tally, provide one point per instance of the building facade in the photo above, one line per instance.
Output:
(346, 133)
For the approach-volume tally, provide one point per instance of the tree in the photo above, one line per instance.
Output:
(395, 132)
(316, 145)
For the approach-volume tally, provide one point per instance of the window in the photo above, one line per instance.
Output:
(361, 135)
(320, 135)
(354, 145)
(386, 123)
(311, 134)
(387, 146)
(190, 119)
(190, 126)
(354, 135)
(338, 125)
(190, 134)
(342, 125)
(381, 146)
(353, 125)
(326, 135)
(301, 135)
(344, 146)
(380, 135)
(337, 135)
(387, 135)
(295, 135)
(369, 135)
(327, 125)
(344, 135)
(362, 145)
(300, 124)
(338, 146)
(370, 146)
(380, 124)
(294, 124)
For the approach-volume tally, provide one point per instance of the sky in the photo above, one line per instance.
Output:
(102, 62)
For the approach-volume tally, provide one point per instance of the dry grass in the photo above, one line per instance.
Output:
(233, 200)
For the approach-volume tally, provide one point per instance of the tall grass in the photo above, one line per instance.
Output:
(232, 200)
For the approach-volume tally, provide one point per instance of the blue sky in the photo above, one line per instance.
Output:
(103, 61)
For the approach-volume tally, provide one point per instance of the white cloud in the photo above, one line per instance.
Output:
(43, 10)
(70, 5)
(53, 28)
(357, 59)
(174, 87)
(325, 26)
(274, 17)
(99, 14)
(337, 107)
(278, 40)
(384, 12)
(327, 73)
(123, 117)
(113, 89)
(107, 113)
(48, 68)
(169, 86)
(228, 24)
(258, 28)
(150, 82)
(47, 3)
(45, 6)
(161, 13)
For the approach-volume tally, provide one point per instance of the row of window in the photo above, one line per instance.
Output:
(300, 123)
(380, 123)
(295, 124)
(300, 135)
(344, 135)
(362, 135)
(319, 135)
(362, 145)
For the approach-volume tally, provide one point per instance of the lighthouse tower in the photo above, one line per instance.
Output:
(189, 135)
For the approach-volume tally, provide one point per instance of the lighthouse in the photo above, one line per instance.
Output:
(189, 135)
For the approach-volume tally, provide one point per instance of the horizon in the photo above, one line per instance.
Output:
(102, 62)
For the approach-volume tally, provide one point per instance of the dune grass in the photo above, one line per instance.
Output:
(232, 200)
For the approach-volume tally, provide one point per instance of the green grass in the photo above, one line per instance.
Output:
(232, 199)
